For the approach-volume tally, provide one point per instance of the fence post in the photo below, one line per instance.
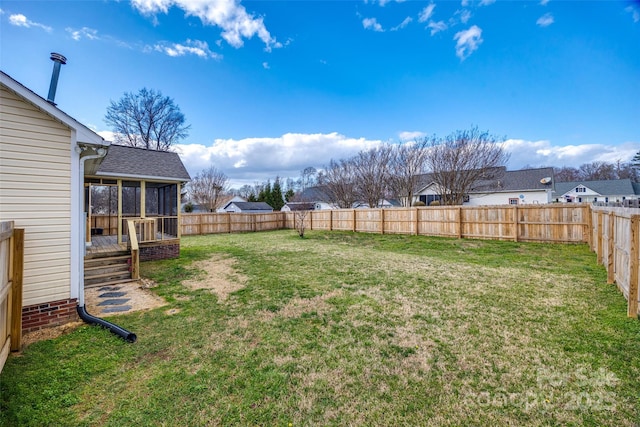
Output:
(610, 249)
(599, 233)
(310, 220)
(589, 210)
(634, 265)
(460, 222)
(515, 223)
(354, 221)
(16, 288)
(417, 222)
(330, 219)
(381, 221)
(229, 221)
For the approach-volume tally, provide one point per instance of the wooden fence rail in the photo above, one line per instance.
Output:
(615, 238)
(11, 272)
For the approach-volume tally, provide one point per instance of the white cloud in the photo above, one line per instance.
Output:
(403, 24)
(545, 20)
(464, 15)
(468, 41)
(436, 27)
(426, 13)
(190, 47)
(543, 153)
(487, 2)
(383, 2)
(410, 135)
(372, 24)
(464, 3)
(19, 20)
(266, 66)
(234, 20)
(635, 13)
(257, 159)
(84, 32)
(544, 2)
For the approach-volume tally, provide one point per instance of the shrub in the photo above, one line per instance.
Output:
(419, 203)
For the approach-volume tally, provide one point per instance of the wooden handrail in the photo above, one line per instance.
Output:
(135, 250)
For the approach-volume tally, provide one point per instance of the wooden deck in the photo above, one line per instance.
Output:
(106, 244)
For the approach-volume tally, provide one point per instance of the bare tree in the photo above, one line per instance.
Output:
(208, 187)
(339, 183)
(463, 158)
(299, 219)
(371, 170)
(597, 171)
(408, 162)
(307, 178)
(146, 119)
(566, 174)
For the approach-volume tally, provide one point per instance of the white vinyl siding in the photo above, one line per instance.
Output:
(35, 192)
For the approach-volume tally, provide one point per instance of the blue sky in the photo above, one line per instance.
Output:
(270, 87)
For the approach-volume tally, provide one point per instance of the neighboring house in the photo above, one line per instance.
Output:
(248, 207)
(609, 191)
(298, 206)
(229, 199)
(222, 202)
(318, 197)
(384, 203)
(526, 186)
(50, 166)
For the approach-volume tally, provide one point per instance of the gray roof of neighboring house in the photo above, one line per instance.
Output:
(313, 194)
(609, 187)
(252, 206)
(636, 188)
(504, 180)
(301, 206)
(123, 161)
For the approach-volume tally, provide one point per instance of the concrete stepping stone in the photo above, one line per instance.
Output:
(109, 288)
(117, 308)
(119, 301)
(112, 294)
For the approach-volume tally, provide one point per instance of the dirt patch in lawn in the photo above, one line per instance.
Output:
(217, 274)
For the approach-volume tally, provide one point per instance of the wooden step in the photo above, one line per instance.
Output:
(107, 260)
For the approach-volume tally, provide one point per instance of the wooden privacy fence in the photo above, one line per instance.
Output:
(616, 241)
(535, 223)
(214, 223)
(11, 271)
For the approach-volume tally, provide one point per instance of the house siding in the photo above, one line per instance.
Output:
(530, 197)
(35, 159)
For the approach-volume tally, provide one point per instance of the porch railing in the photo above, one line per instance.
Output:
(135, 250)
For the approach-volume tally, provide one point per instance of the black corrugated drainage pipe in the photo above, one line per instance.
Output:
(92, 320)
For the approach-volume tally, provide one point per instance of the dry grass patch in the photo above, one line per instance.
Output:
(217, 274)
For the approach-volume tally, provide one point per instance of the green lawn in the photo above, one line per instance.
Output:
(348, 329)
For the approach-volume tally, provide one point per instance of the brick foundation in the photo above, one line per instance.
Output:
(47, 314)
(155, 252)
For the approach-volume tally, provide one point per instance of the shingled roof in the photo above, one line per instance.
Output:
(504, 180)
(613, 187)
(131, 162)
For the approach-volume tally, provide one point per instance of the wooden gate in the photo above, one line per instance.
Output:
(11, 270)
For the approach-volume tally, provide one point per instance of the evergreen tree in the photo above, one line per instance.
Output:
(266, 194)
(635, 162)
(276, 195)
(289, 195)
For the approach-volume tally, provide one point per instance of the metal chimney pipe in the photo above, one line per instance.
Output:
(58, 60)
